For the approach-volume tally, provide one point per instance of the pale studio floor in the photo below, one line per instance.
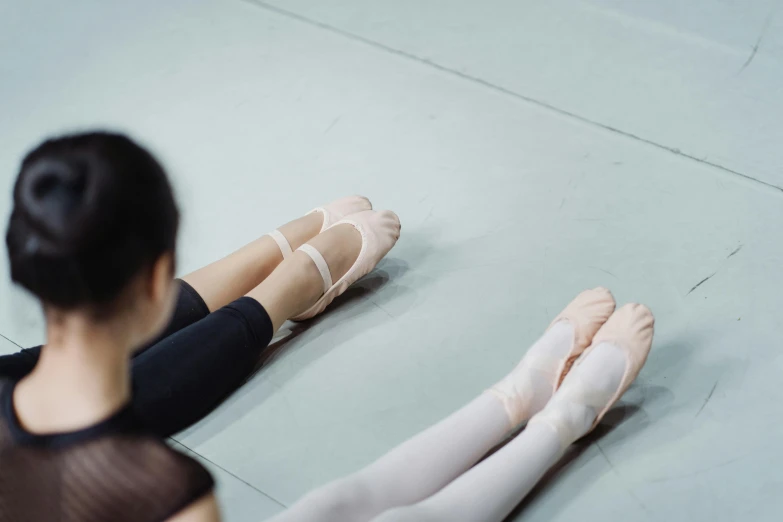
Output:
(532, 149)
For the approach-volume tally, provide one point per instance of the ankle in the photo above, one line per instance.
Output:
(340, 247)
(305, 277)
(569, 420)
(291, 288)
(527, 389)
(301, 230)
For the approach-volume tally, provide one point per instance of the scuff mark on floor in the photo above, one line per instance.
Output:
(331, 125)
(604, 271)
(736, 251)
(709, 396)
(760, 38)
(701, 283)
(750, 58)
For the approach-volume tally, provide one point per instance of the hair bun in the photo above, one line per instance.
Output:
(53, 194)
(91, 211)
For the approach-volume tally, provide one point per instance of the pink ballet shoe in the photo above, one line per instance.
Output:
(380, 232)
(332, 213)
(631, 329)
(587, 313)
(342, 208)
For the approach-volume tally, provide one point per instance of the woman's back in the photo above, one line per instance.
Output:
(109, 471)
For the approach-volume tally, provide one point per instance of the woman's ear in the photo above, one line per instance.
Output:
(161, 275)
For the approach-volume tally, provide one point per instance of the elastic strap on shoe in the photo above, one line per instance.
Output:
(320, 263)
(282, 242)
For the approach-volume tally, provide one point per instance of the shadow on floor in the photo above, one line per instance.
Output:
(647, 405)
(613, 419)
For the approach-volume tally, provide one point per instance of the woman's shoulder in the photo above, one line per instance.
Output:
(151, 461)
(105, 474)
(141, 472)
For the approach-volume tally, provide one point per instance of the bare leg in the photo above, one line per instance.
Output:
(181, 379)
(230, 278)
(296, 284)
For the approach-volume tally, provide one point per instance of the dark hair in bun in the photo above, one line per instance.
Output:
(90, 212)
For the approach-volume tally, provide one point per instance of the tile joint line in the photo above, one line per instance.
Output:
(243, 481)
(473, 79)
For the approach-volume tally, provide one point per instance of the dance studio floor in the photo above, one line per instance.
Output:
(531, 148)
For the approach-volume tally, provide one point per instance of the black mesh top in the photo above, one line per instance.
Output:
(112, 471)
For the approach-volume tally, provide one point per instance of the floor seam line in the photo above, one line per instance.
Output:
(503, 90)
(10, 341)
(245, 482)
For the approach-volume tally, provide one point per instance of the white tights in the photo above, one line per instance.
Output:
(429, 477)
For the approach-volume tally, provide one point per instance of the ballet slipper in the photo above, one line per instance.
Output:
(341, 209)
(332, 213)
(586, 313)
(631, 330)
(379, 231)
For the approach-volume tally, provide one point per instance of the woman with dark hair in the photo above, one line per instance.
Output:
(92, 234)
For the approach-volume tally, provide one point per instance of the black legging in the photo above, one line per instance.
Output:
(197, 362)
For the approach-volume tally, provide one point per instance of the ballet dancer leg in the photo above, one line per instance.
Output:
(427, 462)
(182, 378)
(491, 490)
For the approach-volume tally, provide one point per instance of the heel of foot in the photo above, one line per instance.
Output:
(516, 409)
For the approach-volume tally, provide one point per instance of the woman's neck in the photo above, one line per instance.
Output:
(81, 378)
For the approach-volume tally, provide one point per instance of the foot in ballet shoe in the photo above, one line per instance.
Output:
(630, 329)
(342, 208)
(379, 233)
(587, 313)
(531, 384)
(332, 213)
(601, 375)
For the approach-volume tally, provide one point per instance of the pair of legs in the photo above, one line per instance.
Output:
(434, 476)
(226, 315)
